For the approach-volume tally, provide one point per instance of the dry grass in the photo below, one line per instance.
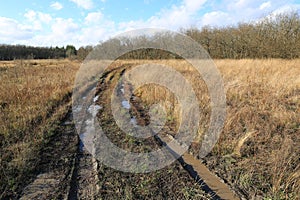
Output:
(31, 93)
(171, 182)
(263, 97)
(154, 93)
(29, 90)
(257, 153)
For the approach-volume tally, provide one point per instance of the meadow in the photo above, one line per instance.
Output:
(257, 153)
(33, 98)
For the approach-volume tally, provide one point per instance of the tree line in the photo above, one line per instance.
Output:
(12, 52)
(276, 36)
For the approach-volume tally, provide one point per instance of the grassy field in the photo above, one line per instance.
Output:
(257, 153)
(260, 145)
(33, 98)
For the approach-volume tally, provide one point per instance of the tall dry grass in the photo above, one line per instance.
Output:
(263, 103)
(259, 147)
(257, 152)
(32, 92)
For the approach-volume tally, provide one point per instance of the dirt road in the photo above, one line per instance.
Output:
(70, 172)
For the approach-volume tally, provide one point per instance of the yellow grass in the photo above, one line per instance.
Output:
(29, 89)
(31, 93)
(259, 148)
(263, 98)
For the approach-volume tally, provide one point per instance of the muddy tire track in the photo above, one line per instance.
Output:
(83, 183)
(209, 182)
(57, 159)
(67, 170)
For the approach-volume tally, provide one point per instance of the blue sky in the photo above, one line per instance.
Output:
(86, 22)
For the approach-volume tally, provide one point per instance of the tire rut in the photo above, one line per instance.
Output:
(208, 181)
(72, 173)
(67, 170)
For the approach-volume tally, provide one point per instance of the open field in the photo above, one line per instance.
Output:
(33, 100)
(260, 144)
(257, 153)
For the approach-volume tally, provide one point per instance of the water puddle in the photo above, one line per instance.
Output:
(95, 98)
(78, 108)
(133, 121)
(88, 129)
(122, 89)
(126, 104)
(94, 109)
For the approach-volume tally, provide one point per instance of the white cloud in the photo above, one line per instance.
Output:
(242, 6)
(30, 15)
(126, 26)
(286, 9)
(93, 33)
(44, 17)
(11, 31)
(64, 27)
(243, 10)
(34, 24)
(216, 18)
(173, 18)
(56, 5)
(265, 5)
(93, 18)
(37, 19)
(38, 28)
(193, 5)
(178, 16)
(62, 32)
(241, 3)
(86, 4)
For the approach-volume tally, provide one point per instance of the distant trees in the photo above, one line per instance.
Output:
(82, 52)
(114, 48)
(277, 36)
(71, 51)
(11, 52)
